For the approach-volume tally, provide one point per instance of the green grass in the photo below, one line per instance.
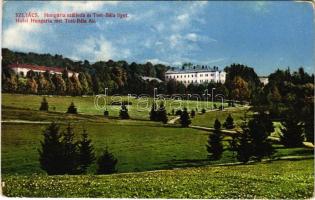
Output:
(138, 110)
(207, 119)
(139, 146)
(275, 180)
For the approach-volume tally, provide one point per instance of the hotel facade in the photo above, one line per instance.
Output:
(196, 75)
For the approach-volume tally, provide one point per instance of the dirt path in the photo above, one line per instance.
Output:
(25, 122)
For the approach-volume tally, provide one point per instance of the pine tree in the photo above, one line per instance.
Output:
(292, 133)
(123, 113)
(86, 152)
(229, 122)
(192, 113)
(162, 115)
(51, 155)
(71, 155)
(106, 113)
(215, 146)
(244, 147)
(184, 118)
(153, 113)
(72, 109)
(106, 163)
(260, 127)
(44, 105)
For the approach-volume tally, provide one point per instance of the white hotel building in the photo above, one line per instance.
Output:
(196, 75)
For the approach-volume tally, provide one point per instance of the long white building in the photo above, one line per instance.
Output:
(196, 75)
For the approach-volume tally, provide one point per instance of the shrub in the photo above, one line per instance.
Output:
(106, 163)
(123, 113)
(178, 112)
(229, 122)
(192, 113)
(184, 118)
(44, 105)
(106, 113)
(72, 109)
(203, 111)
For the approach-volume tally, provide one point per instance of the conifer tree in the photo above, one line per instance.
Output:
(71, 155)
(106, 163)
(51, 155)
(162, 115)
(192, 113)
(229, 122)
(123, 113)
(153, 113)
(292, 133)
(72, 109)
(243, 146)
(184, 118)
(260, 127)
(86, 152)
(44, 105)
(215, 146)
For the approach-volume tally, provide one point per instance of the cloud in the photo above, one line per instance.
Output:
(98, 48)
(157, 61)
(78, 6)
(24, 36)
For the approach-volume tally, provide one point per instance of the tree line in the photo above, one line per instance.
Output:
(118, 76)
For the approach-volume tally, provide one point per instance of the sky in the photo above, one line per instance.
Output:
(265, 35)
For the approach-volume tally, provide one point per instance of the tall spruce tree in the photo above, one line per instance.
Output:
(86, 152)
(44, 105)
(106, 163)
(51, 155)
(71, 155)
(292, 133)
(162, 115)
(260, 127)
(244, 147)
(215, 146)
(153, 113)
(229, 122)
(184, 118)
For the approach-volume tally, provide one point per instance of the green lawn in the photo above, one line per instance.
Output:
(141, 145)
(275, 180)
(138, 110)
(207, 119)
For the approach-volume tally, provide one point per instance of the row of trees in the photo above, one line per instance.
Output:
(250, 143)
(119, 77)
(61, 154)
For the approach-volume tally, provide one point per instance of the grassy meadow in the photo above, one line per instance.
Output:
(275, 180)
(141, 145)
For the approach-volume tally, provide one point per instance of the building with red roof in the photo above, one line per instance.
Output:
(22, 69)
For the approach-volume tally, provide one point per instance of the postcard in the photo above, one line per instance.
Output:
(157, 99)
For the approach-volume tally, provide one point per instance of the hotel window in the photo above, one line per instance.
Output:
(211, 74)
(201, 75)
(184, 76)
(177, 76)
(181, 76)
(188, 76)
(206, 74)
